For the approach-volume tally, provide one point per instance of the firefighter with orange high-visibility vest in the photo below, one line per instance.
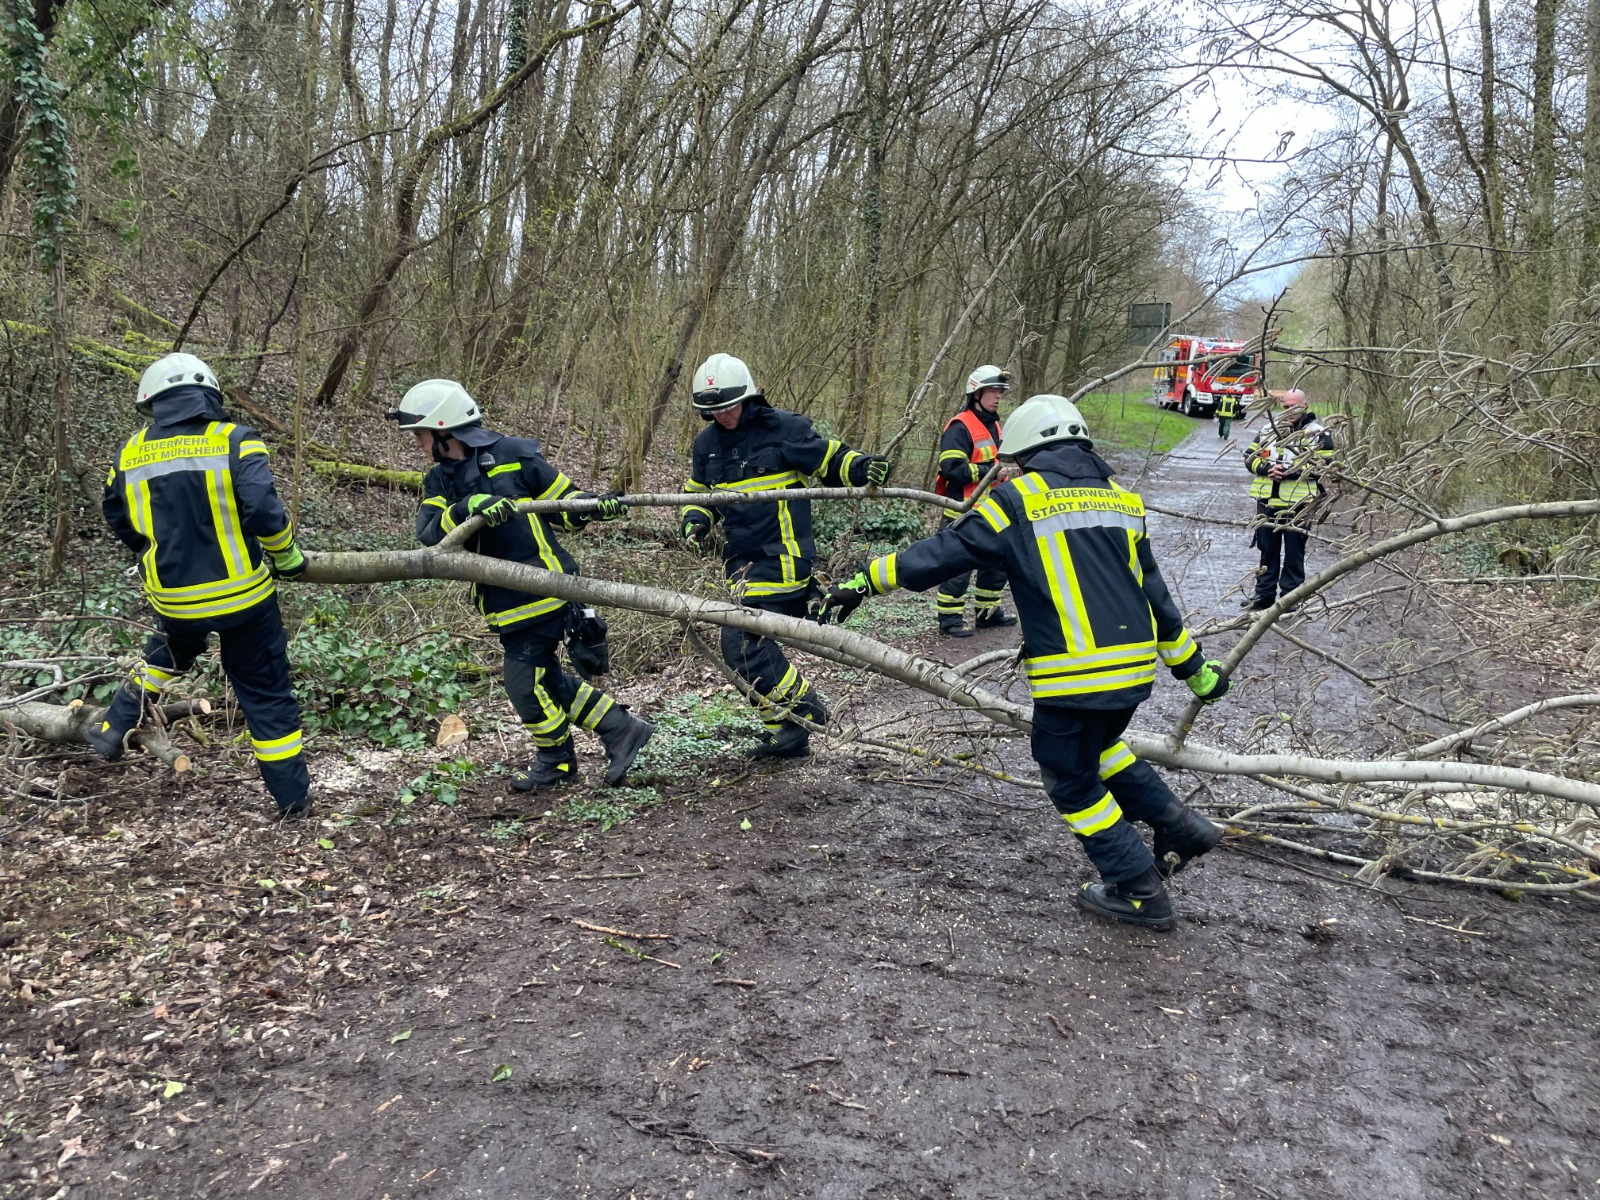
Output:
(966, 452)
(192, 495)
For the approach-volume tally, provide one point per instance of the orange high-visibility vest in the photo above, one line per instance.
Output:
(983, 448)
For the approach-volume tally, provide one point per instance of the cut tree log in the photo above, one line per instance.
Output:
(66, 723)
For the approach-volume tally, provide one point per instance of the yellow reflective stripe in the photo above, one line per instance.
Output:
(144, 522)
(786, 533)
(250, 446)
(277, 749)
(694, 485)
(989, 509)
(1135, 653)
(1060, 579)
(203, 591)
(1096, 681)
(511, 616)
(1117, 757)
(956, 454)
(834, 446)
(219, 607)
(884, 573)
(1176, 651)
(778, 588)
(546, 550)
(559, 488)
(1095, 818)
(698, 508)
(279, 540)
(111, 475)
(848, 461)
(763, 483)
(504, 467)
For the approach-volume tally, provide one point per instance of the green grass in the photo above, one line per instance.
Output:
(1136, 425)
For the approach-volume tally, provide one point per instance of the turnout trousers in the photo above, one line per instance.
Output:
(255, 658)
(1099, 786)
(547, 699)
(760, 662)
(950, 601)
(1283, 553)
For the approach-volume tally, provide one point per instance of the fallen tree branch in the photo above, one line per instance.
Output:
(1451, 741)
(66, 723)
(933, 678)
(1544, 511)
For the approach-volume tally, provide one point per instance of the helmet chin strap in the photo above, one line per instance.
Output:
(438, 444)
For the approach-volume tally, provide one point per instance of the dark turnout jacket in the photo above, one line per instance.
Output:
(1096, 614)
(192, 495)
(769, 546)
(512, 468)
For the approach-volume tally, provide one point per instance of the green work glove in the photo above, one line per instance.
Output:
(1209, 684)
(837, 603)
(612, 507)
(878, 470)
(697, 532)
(287, 563)
(495, 510)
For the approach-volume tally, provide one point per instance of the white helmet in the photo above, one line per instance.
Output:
(172, 371)
(988, 377)
(439, 405)
(721, 382)
(1039, 421)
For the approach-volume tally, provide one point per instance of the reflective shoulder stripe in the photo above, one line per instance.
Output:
(989, 509)
(111, 475)
(250, 446)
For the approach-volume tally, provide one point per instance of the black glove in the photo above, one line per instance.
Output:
(697, 532)
(495, 510)
(878, 470)
(835, 605)
(612, 507)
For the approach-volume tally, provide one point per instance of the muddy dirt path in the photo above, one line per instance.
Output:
(864, 988)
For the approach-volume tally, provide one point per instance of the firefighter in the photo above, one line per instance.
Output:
(749, 446)
(1096, 616)
(966, 452)
(1227, 412)
(478, 472)
(192, 495)
(1286, 459)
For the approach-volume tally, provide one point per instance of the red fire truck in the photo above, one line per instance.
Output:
(1197, 371)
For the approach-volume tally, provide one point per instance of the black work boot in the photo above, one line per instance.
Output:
(295, 810)
(1257, 604)
(551, 768)
(105, 740)
(995, 618)
(953, 627)
(1141, 900)
(623, 735)
(791, 741)
(1182, 834)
